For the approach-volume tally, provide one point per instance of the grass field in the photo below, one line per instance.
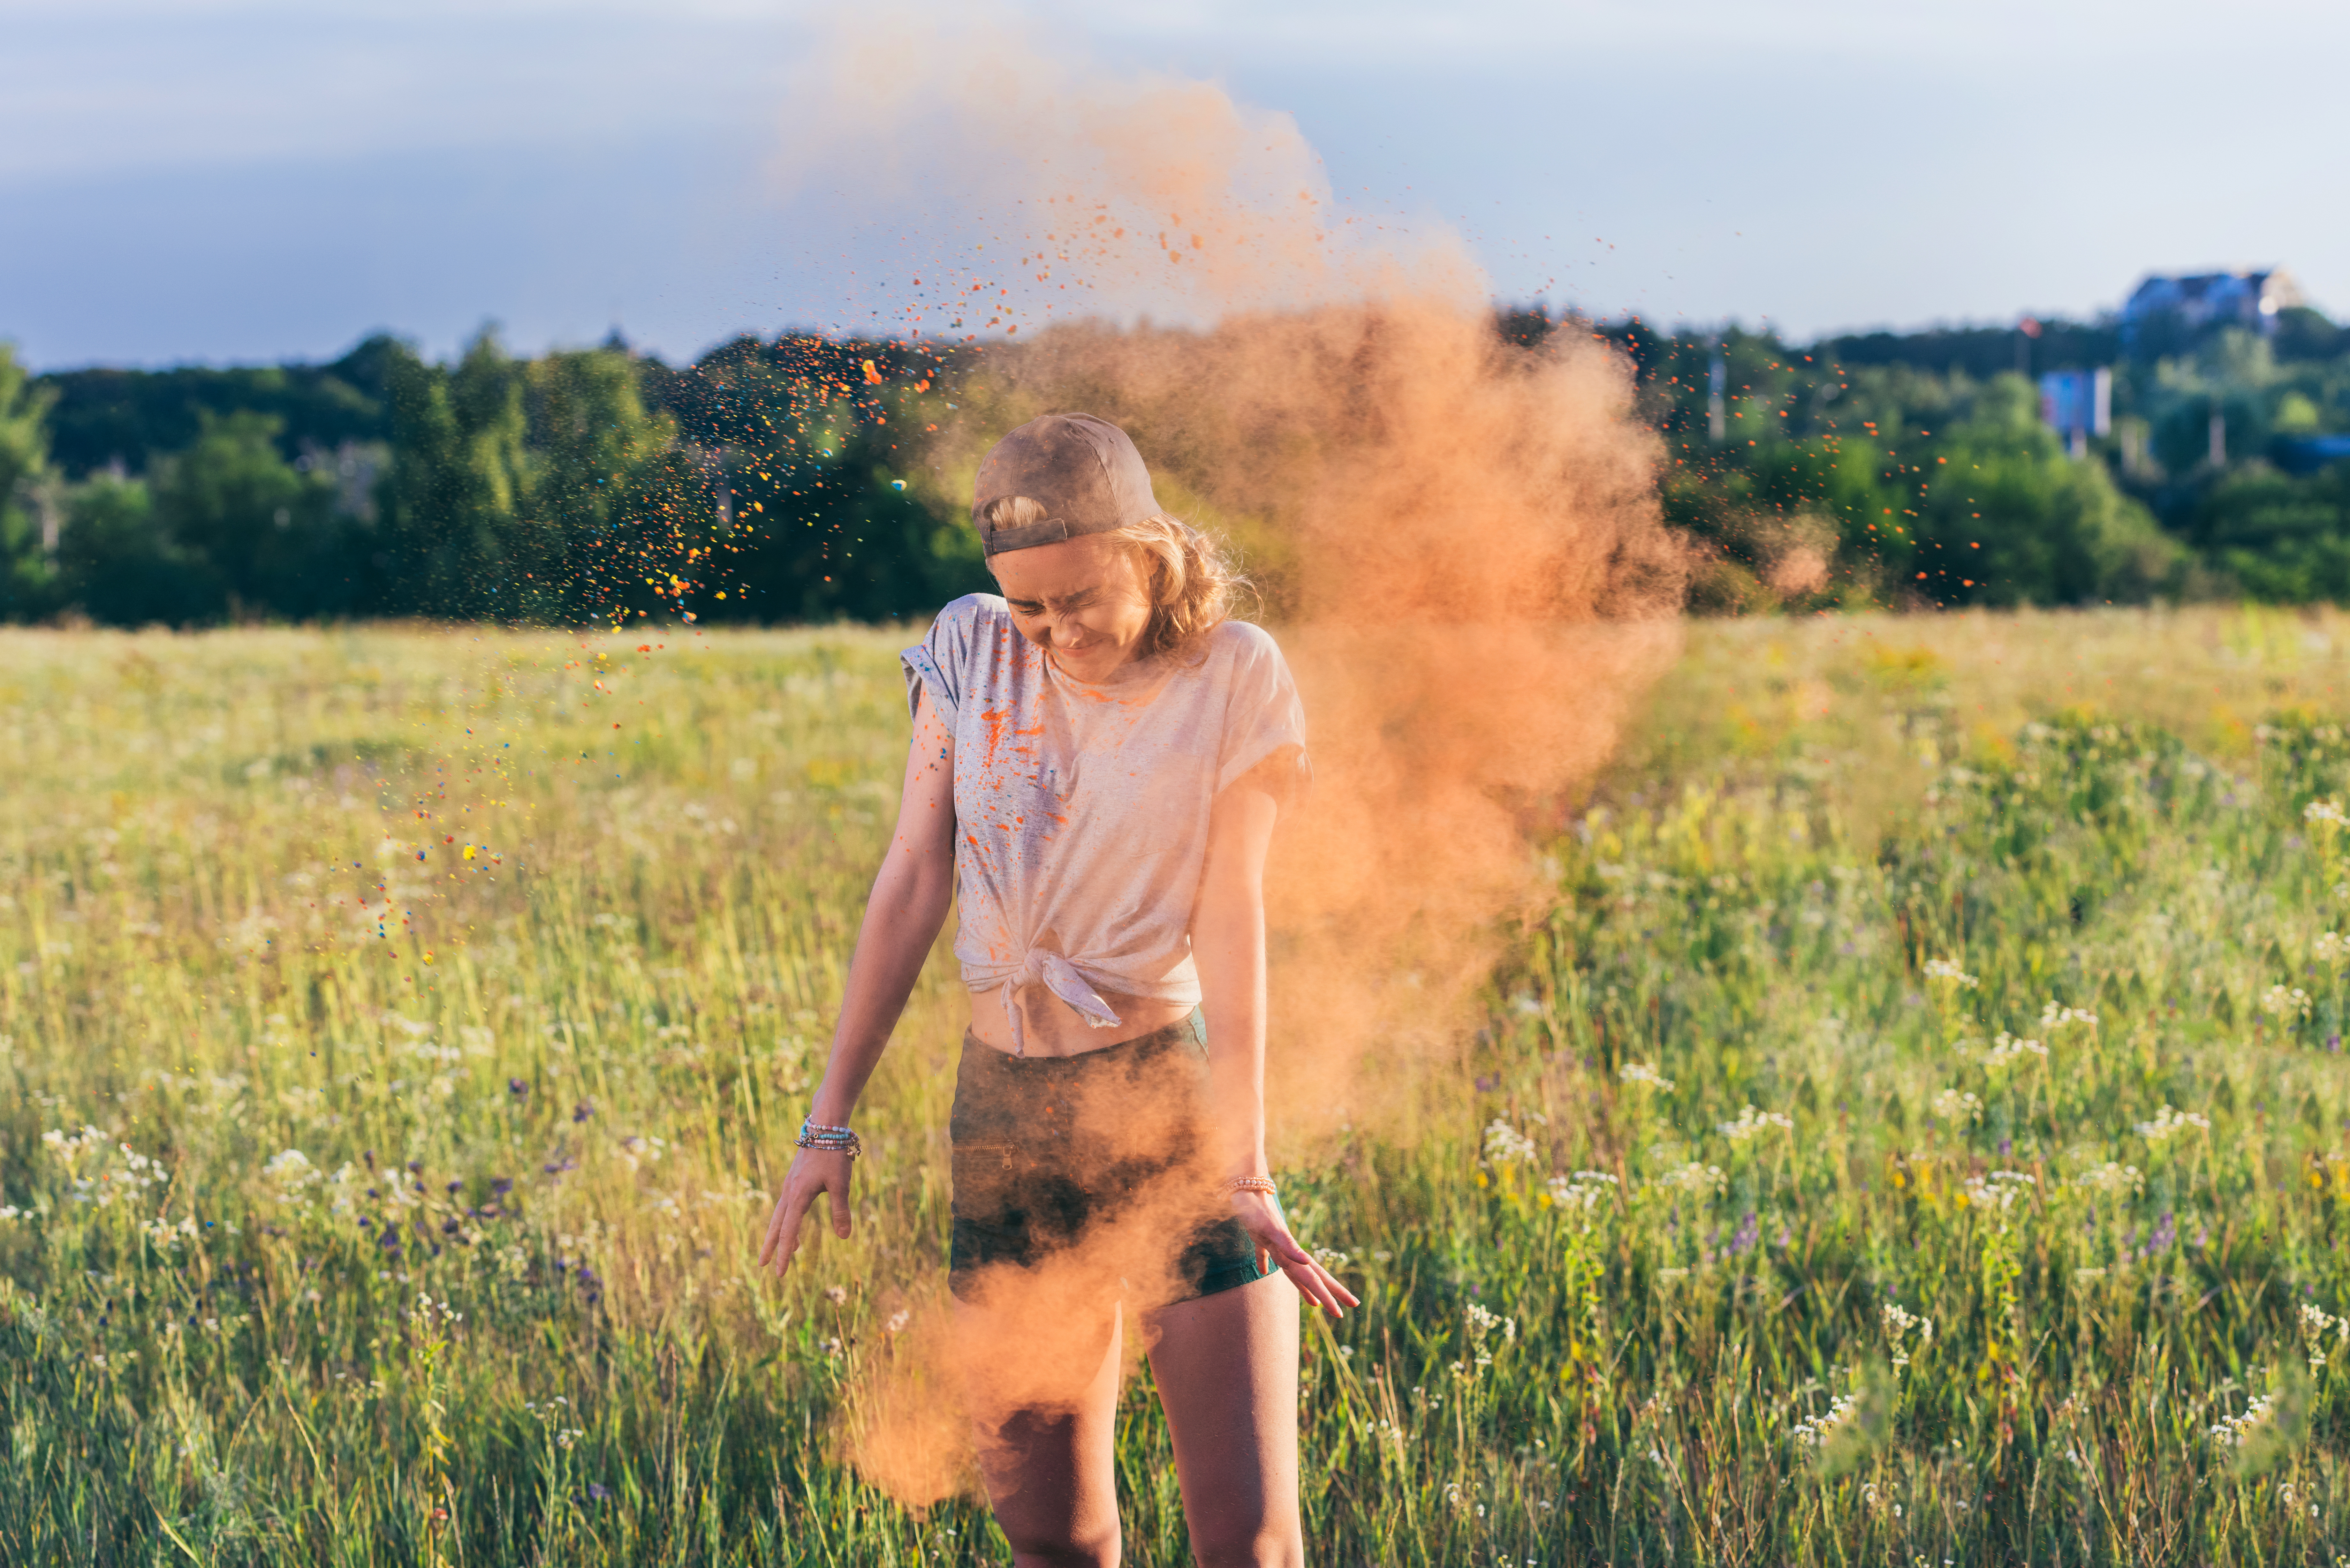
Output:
(1915, 1135)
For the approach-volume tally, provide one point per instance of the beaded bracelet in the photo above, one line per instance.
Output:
(829, 1139)
(1253, 1184)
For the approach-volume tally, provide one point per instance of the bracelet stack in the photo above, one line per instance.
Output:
(1253, 1184)
(830, 1140)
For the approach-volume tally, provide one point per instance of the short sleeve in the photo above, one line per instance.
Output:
(1262, 717)
(940, 661)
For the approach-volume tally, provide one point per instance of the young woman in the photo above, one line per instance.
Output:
(1098, 759)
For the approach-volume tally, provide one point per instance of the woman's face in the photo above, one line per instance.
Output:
(1084, 602)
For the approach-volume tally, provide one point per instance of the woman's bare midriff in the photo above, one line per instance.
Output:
(1054, 1028)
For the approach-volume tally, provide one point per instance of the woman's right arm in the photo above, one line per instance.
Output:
(902, 916)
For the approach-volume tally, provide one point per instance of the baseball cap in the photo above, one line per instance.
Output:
(1083, 471)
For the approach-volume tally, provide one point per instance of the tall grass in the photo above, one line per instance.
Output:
(1915, 1132)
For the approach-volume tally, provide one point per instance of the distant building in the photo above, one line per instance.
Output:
(2249, 299)
(2077, 404)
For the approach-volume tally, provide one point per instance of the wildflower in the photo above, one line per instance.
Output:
(1814, 1431)
(1958, 1105)
(2112, 1179)
(899, 1320)
(1999, 1192)
(2316, 1322)
(1751, 1121)
(2053, 1017)
(1330, 1258)
(1481, 1325)
(2285, 1000)
(1582, 1192)
(1483, 1322)
(2234, 1430)
(292, 1171)
(1642, 1074)
(1696, 1177)
(836, 1294)
(2324, 814)
(2168, 1123)
(1505, 1145)
(2006, 1050)
(163, 1233)
(1943, 969)
(1899, 1325)
(2330, 948)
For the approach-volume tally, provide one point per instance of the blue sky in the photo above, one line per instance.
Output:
(247, 180)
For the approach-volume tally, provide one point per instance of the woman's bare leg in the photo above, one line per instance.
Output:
(1226, 1366)
(1050, 1468)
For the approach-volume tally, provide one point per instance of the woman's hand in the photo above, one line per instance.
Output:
(1260, 1215)
(813, 1172)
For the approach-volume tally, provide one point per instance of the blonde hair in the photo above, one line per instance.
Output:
(1191, 580)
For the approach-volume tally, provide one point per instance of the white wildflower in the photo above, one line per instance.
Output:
(1582, 1192)
(1899, 1325)
(1641, 1073)
(1958, 1105)
(2053, 1017)
(2330, 948)
(2286, 1002)
(1815, 1431)
(165, 1233)
(1482, 1322)
(2112, 1179)
(2169, 1123)
(2235, 1429)
(2324, 814)
(1943, 969)
(2316, 1322)
(1505, 1145)
(1751, 1121)
(2006, 1050)
(1696, 1177)
(291, 1169)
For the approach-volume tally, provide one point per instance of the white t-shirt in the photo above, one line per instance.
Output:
(1081, 812)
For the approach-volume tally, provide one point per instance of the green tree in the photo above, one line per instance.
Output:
(269, 534)
(27, 577)
(609, 496)
(460, 466)
(120, 565)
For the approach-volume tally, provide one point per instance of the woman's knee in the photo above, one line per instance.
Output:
(1046, 1547)
(1248, 1543)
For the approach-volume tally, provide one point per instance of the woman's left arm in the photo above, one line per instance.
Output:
(1228, 944)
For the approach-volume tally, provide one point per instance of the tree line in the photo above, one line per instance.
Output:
(785, 480)
(770, 480)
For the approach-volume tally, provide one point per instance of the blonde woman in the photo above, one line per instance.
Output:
(1099, 757)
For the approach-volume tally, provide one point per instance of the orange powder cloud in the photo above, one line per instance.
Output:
(1459, 539)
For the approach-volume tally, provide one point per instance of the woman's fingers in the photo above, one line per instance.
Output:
(1315, 1283)
(784, 1231)
(840, 1211)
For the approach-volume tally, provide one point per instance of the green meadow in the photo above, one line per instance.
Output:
(1913, 1133)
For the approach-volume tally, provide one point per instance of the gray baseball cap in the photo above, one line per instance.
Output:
(1082, 471)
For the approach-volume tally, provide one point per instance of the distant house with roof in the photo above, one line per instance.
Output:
(2190, 303)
